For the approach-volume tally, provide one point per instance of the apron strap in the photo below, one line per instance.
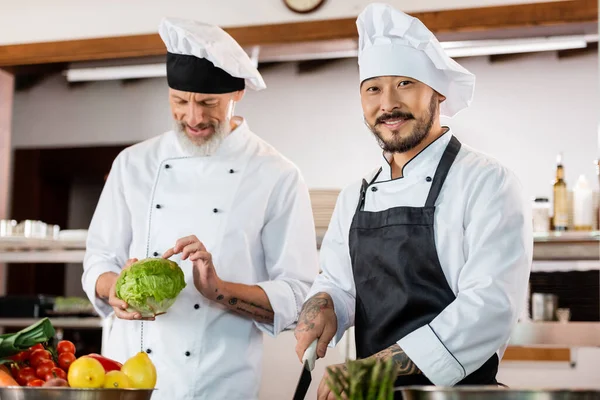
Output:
(363, 191)
(442, 170)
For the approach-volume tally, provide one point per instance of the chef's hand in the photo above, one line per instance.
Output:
(317, 321)
(118, 305)
(324, 392)
(206, 279)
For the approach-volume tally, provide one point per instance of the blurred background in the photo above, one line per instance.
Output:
(80, 81)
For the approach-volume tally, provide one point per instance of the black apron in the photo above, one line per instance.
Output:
(400, 285)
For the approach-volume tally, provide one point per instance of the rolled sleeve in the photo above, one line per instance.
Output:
(430, 355)
(285, 306)
(290, 246)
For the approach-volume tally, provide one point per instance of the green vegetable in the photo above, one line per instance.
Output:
(367, 379)
(150, 286)
(13, 343)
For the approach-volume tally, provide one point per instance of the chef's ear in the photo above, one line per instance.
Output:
(237, 96)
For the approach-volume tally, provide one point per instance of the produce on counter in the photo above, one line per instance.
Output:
(107, 363)
(14, 343)
(150, 286)
(140, 371)
(117, 380)
(363, 379)
(86, 372)
(45, 365)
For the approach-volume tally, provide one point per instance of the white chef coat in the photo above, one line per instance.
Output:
(484, 240)
(251, 208)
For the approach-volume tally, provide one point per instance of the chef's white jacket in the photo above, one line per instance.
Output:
(251, 208)
(484, 240)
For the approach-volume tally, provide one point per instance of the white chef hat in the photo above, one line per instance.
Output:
(203, 58)
(392, 43)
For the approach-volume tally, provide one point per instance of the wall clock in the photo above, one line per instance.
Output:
(303, 6)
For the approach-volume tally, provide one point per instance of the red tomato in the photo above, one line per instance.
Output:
(20, 357)
(65, 346)
(35, 382)
(39, 355)
(56, 373)
(35, 347)
(44, 368)
(65, 360)
(24, 375)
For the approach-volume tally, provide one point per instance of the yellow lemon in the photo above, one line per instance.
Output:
(116, 380)
(86, 372)
(140, 371)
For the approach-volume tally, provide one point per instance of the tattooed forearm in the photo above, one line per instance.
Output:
(311, 309)
(405, 364)
(247, 308)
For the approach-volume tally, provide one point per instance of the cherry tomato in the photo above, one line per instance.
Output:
(20, 357)
(39, 355)
(35, 347)
(35, 382)
(65, 346)
(24, 375)
(56, 373)
(44, 368)
(65, 360)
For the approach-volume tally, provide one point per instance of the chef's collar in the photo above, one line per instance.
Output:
(420, 166)
(236, 140)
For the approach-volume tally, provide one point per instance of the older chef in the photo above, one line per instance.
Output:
(214, 192)
(429, 256)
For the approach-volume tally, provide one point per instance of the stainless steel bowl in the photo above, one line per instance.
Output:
(62, 393)
(494, 392)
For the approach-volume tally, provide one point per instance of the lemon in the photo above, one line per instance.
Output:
(116, 380)
(86, 372)
(140, 371)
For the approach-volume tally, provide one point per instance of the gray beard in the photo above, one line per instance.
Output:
(205, 149)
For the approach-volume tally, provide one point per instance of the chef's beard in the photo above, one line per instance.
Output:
(398, 144)
(202, 147)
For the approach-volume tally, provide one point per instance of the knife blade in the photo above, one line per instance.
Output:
(308, 364)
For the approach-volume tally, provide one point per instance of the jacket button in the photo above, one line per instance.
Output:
(196, 306)
(231, 171)
(374, 189)
(167, 166)
(187, 354)
(428, 179)
(155, 254)
(215, 210)
(148, 351)
(158, 206)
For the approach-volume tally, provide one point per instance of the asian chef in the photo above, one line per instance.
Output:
(210, 191)
(429, 255)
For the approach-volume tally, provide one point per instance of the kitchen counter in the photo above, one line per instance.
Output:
(556, 334)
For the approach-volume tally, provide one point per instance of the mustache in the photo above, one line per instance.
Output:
(394, 115)
(197, 127)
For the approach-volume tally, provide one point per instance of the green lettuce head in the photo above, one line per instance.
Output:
(150, 286)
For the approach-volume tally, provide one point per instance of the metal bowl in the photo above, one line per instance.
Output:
(64, 393)
(492, 393)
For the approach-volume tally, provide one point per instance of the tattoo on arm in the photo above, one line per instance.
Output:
(311, 309)
(405, 364)
(254, 311)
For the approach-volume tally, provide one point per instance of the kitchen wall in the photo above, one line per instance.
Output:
(525, 111)
(74, 19)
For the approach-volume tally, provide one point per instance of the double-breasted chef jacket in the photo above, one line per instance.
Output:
(251, 208)
(471, 267)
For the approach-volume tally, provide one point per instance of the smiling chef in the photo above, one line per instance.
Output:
(210, 191)
(429, 256)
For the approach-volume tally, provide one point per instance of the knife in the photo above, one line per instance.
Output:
(308, 361)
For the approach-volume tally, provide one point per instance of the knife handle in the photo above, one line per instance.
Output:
(310, 355)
